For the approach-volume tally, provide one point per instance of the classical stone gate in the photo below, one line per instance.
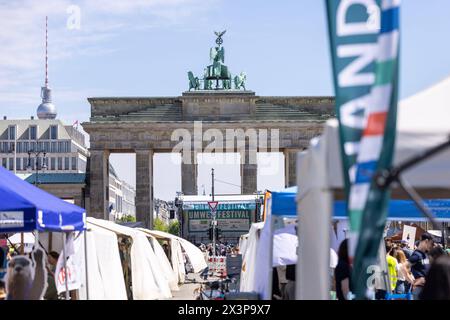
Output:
(146, 126)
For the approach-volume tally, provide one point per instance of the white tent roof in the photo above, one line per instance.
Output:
(423, 122)
(149, 281)
(28, 237)
(194, 254)
(105, 272)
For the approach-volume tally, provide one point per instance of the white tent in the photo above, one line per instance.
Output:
(165, 263)
(247, 279)
(148, 279)
(194, 254)
(105, 275)
(28, 238)
(422, 123)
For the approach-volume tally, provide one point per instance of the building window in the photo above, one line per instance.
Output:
(33, 146)
(19, 147)
(39, 146)
(46, 146)
(11, 147)
(11, 164)
(74, 163)
(25, 163)
(33, 132)
(53, 147)
(26, 147)
(4, 163)
(54, 132)
(18, 164)
(12, 132)
(60, 163)
(53, 164)
(67, 146)
(66, 163)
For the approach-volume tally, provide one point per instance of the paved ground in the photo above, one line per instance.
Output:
(186, 291)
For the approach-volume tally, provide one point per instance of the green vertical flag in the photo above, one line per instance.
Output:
(364, 39)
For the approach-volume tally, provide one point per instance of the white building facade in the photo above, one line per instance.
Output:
(64, 146)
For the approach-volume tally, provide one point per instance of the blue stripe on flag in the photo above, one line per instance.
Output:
(390, 20)
(365, 171)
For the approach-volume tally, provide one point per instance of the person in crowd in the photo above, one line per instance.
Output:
(392, 265)
(420, 263)
(51, 293)
(436, 252)
(282, 281)
(289, 288)
(437, 283)
(405, 277)
(406, 250)
(185, 261)
(166, 249)
(342, 272)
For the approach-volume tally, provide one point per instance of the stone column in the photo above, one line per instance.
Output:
(144, 187)
(249, 171)
(99, 184)
(290, 167)
(189, 172)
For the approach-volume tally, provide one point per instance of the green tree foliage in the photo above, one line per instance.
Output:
(127, 218)
(174, 228)
(158, 224)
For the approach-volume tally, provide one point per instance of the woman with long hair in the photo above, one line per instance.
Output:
(405, 277)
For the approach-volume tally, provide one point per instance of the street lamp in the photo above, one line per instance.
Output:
(38, 166)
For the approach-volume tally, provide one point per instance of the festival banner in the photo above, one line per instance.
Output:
(374, 67)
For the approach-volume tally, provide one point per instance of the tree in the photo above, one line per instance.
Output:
(127, 218)
(160, 225)
(174, 228)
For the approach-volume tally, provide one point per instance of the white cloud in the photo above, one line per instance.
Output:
(23, 36)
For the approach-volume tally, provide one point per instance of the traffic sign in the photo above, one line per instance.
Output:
(213, 205)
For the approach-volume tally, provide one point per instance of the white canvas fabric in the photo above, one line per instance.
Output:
(247, 279)
(195, 255)
(148, 280)
(165, 264)
(105, 274)
(422, 123)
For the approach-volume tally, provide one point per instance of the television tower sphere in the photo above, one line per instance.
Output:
(46, 109)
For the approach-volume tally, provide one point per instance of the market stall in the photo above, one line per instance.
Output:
(26, 208)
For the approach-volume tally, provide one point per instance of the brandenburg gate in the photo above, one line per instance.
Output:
(218, 102)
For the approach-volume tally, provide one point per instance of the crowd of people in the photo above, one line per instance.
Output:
(422, 273)
(222, 249)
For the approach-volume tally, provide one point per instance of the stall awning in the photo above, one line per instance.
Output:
(24, 207)
(284, 204)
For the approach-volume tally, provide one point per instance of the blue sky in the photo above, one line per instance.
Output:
(146, 47)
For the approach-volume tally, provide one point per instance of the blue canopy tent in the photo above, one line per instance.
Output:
(284, 204)
(25, 208)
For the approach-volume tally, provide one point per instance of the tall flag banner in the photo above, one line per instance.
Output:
(364, 38)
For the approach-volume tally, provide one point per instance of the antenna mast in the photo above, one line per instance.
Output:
(46, 51)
